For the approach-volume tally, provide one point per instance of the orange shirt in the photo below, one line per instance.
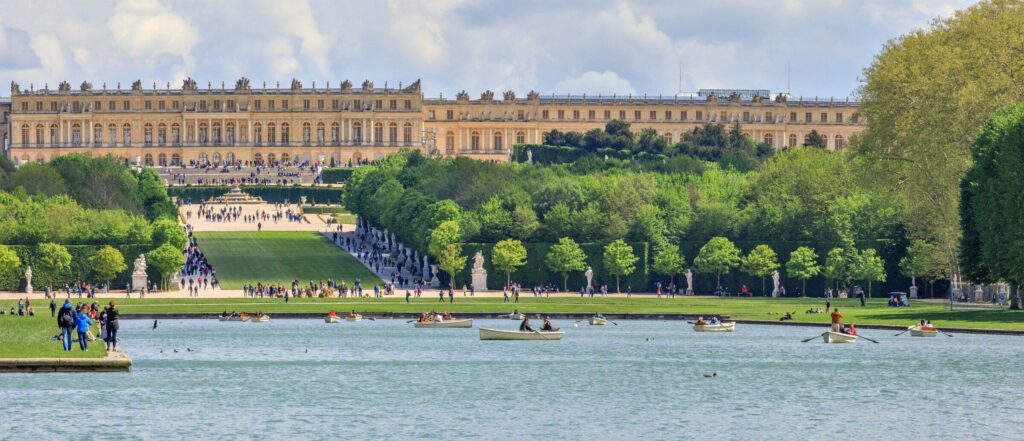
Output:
(837, 317)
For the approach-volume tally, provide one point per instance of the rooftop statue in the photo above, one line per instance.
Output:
(346, 85)
(414, 87)
(189, 84)
(296, 84)
(64, 86)
(487, 95)
(86, 86)
(242, 84)
(533, 95)
(137, 86)
(462, 96)
(509, 95)
(15, 89)
(367, 85)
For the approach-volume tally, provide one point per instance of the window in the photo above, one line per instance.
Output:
(305, 104)
(175, 133)
(682, 115)
(378, 133)
(622, 115)
(231, 105)
(126, 134)
(792, 140)
(769, 139)
(668, 138)
(39, 135)
(544, 114)
(430, 114)
(474, 141)
(216, 105)
(53, 106)
(357, 105)
(840, 142)
(335, 104)
(746, 117)
(824, 140)
(148, 105)
(700, 115)
(450, 115)
(147, 134)
(161, 134)
(112, 132)
(321, 134)
(284, 133)
(792, 116)
(393, 105)
(408, 104)
(39, 106)
(855, 118)
(24, 135)
(668, 115)
(258, 104)
(807, 117)
(284, 106)
(654, 115)
(271, 133)
(839, 117)
(161, 105)
(824, 117)
(53, 135)
(497, 141)
(203, 133)
(271, 104)
(357, 132)
(768, 117)
(576, 114)
(520, 138)
(24, 106)
(202, 105)
(561, 114)
(449, 141)
(257, 134)
(723, 116)
(174, 105)
(320, 104)
(96, 106)
(607, 115)
(335, 133)
(97, 134)
(407, 134)
(378, 105)
(306, 135)
(521, 115)
(636, 115)
(393, 133)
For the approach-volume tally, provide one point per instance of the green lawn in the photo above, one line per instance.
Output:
(23, 336)
(876, 313)
(278, 257)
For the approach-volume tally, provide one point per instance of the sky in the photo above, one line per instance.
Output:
(808, 47)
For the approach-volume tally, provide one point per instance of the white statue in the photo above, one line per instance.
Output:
(689, 282)
(775, 282)
(478, 261)
(529, 156)
(479, 275)
(28, 280)
(590, 277)
(140, 264)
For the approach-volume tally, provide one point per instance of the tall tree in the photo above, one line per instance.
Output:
(619, 260)
(717, 256)
(564, 257)
(168, 231)
(868, 266)
(956, 73)
(668, 261)
(53, 260)
(802, 265)
(446, 247)
(106, 263)
(836, 266)
(508, 256)
(761, 262)
(167, 260)
(9, 261)
(814, 139)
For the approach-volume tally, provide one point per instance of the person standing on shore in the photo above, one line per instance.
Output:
(440, 295)
(82, 322)
(53, 308)
(111, 325)
(66, 321)
(451, 296)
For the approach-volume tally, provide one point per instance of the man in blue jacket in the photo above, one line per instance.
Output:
(66, 321)
(82, 322)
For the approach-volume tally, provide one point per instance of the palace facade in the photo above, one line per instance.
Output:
(346, 124)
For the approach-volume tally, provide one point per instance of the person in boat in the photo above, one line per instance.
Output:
(837, 320)
(715, 320)
(852, 329)
(599, 316)
(928, 325)
(920, 325)
(352, 314)
(700, 321)
(547, 326)
(331, 313)
(525, 325)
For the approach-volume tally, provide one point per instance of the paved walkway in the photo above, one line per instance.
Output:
(316, 222)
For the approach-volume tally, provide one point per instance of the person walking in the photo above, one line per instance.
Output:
(440, 295)
(407, 295)
(82, 322)
(53, 308)
(66, 321)
(111, 315)
(451, 296)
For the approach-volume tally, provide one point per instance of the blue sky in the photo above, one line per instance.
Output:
(573, 46)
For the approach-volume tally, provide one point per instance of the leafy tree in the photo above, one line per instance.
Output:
(564, 257)
(557, 221)
(446, 248)
(814, 139)
(918, 152)
(802, 265)
(619, 260)
(168, 231)
(668, 261)
(167, 260)
(836, 266)
(508, 256)
(868, 266)
(651, 142)
(495, 220)
(106, 263)
(524, 222)
(38, 179)
(52, 259)
(717, 256)
(761, 262)
(924, 261)
(9, 261)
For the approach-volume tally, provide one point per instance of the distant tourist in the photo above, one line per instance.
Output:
(66, 321)
(82, 322)
(110, 315)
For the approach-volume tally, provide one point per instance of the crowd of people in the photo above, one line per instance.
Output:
(78, 320)
(197, 272)
(235, 214)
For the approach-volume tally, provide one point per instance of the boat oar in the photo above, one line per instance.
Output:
(904, 332)
(812, 338)
(868, 339)
(541, 334)
(946, 334)
(410, 321)
(616, 324)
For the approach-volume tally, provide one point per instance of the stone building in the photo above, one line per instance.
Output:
(344, 124)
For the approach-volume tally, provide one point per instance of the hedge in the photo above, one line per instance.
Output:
(271, 193)
(324, 210)
(80, 271)
(336, 175)
(536, 270)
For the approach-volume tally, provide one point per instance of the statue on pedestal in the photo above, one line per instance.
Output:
(590, 277)
(775, 282)
(139, 279)
(478, 273)
(28, 280)
(689, 282)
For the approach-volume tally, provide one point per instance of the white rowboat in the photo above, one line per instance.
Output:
(721, 327)
(237, 318)
(516, 316)
(838, 337)
(464, 323)
(597, 321)
(354, 318)
(332, 319)
(917, 331)
(506, 334)
(223, 318)
(261, 319)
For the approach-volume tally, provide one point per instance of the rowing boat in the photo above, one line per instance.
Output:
(598, 321)
(354, 318)
(332, 319)
(223, 318)
(464, 323)
(917, 331)
(838, 337)
(238, 318)
(517, 316)
(720, 327)
(506, 334)
(261, 319)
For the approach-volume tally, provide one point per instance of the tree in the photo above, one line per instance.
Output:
(524, 222)
(38, 179)
(107, 263)
(868, 266)
(836, 266)
(52, 259)
(717, 256)
(814, 139)
(564, 257)
(802, 265)
(167, 260)
(761, 262)
(168, 231)
(508, 256)
(991, 203)
(619, 260)
(9, 261)
(919, 151)
(668, 261)
(446, 247)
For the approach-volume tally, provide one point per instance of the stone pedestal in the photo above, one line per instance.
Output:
(913, 292)
(28, 288)
(139, 281)
(479, 280)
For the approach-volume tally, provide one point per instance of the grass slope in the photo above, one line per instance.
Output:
(29, 337)
(278, 257)
(876, 312)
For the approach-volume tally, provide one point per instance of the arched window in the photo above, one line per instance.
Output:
(357, 133)
(824, 141)
(216, 157)
(449, 141)
(230, 133)
(97, 134)
(40, 159)
(53, 135)
(285, 137)
(202, 158)
(148, 159)
(147, 134)
(271, 158)
(498, 141)
(112, 132)
(162, 159)
(306, 135)
(161, 134)
(393, 134)
(474, 141)
(257, 133)
(407, 134)
(378, 133)
(668, 138)
(321, 135)
(126, 134)
(229, 159)
(257, 158)
(175, 133)
(285, 158)
(217, 139)
(40, 137)
(271, 134)
(203, 133)
(769, 139)
(76, 134)
(335, 133)
(840, 142)
(175, 159)
(520, 138)
(24, 135)
(792, 140)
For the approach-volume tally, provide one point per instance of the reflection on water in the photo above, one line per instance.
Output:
(384, 379)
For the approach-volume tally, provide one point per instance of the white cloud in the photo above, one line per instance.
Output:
(147, 30)
(418, 24)
(609, 82)
(295, 18)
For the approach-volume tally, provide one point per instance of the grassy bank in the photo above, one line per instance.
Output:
(23, 336)
(876, 312)
(278, 257)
